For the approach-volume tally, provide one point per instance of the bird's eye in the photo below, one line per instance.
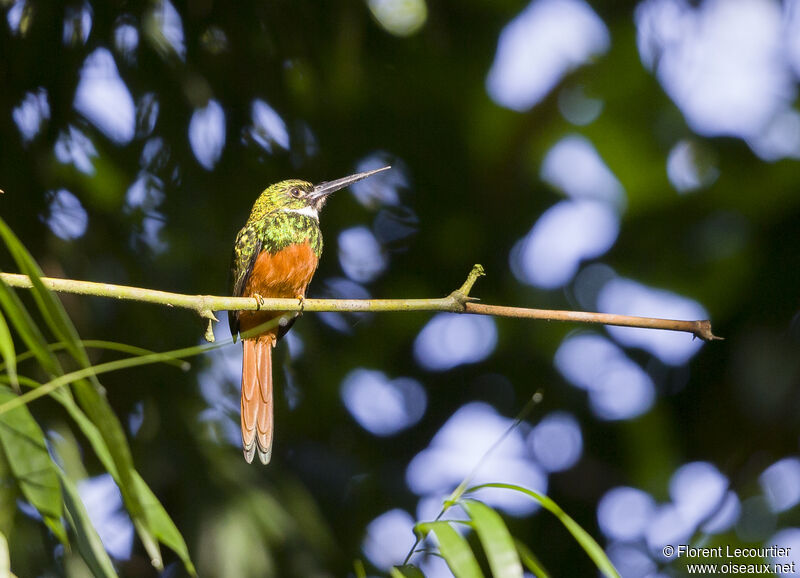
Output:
(296, 193)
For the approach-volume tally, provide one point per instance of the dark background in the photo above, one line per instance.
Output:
(472, 190)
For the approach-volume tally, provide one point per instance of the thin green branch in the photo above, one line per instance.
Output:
(140, 357)
(459, 301)
(100, 344)
(459, 491)
(67, 378)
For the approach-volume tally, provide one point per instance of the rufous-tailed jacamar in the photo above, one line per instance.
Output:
(275, 255)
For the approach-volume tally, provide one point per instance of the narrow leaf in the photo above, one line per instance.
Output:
(162, 525)
(91, 397)
(27, 329)
(5, 558)
(90, 394)
(7, 352)
(52, 311)
(407, 571)
(583, 537)
(23, 444)
(90, 372)
(87, 540)
(454, 549)
(495, 538)
(8, 496)
(96, 407)
(530, 561)
(159, 522)
(111, 346)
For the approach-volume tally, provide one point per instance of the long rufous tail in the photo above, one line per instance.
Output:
(257, 398)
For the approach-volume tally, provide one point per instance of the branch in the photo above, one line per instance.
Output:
(459, 301)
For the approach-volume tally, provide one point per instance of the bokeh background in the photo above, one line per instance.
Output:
(635, 158)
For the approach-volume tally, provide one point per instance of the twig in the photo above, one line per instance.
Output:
(701, 328)
(458, 301)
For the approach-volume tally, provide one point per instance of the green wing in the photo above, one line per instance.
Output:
(245, 251)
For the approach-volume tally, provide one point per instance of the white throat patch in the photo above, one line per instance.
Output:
(308, 211)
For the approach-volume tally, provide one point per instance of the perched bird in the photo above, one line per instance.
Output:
(275, 255)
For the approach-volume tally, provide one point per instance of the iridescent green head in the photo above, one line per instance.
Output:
(296, 196)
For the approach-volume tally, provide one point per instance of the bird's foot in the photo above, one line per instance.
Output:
(302, 300)
(259, 299)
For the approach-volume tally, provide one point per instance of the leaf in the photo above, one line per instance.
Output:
(166, 527)
(23, 443)
(159, 522)
(52, 311)
(97, 409)
(7, 353)
(495, 538)
(149, 522)
(110, 345)
(530, 561)
(5, 559)
(90, 394)
(162, 525)
(586, 541)
(407, 571)
(8, 496)
(454, 549)
(88, 541)
(27, 329)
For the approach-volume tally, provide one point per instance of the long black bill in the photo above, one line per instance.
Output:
(324, 189)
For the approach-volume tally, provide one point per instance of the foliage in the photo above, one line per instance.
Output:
(347, 89)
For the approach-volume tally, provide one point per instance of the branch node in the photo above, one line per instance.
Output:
(477, 271)
(209, 315)
(460, 297)
(703, 331)
(209, 334)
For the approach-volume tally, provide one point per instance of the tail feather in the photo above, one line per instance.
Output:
(257, 399)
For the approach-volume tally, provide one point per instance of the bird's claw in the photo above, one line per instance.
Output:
(302, 302)
(259, 299)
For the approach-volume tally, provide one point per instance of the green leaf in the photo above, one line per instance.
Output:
(8, 496)
(90, 394)
(110, 345)
(530, 561)
(454, 549)
(92, 371)
(162, 525)
(5, 559)
(495, 538)
(407, 571)
(27, 329)
(588, 543)
(159, 522)
(151, 520)
(88, 542)
(106, 426)
(50, 307)
(7, 352)
(97, 409)
(23, 444)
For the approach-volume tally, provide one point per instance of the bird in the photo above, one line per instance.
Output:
(275, 255)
